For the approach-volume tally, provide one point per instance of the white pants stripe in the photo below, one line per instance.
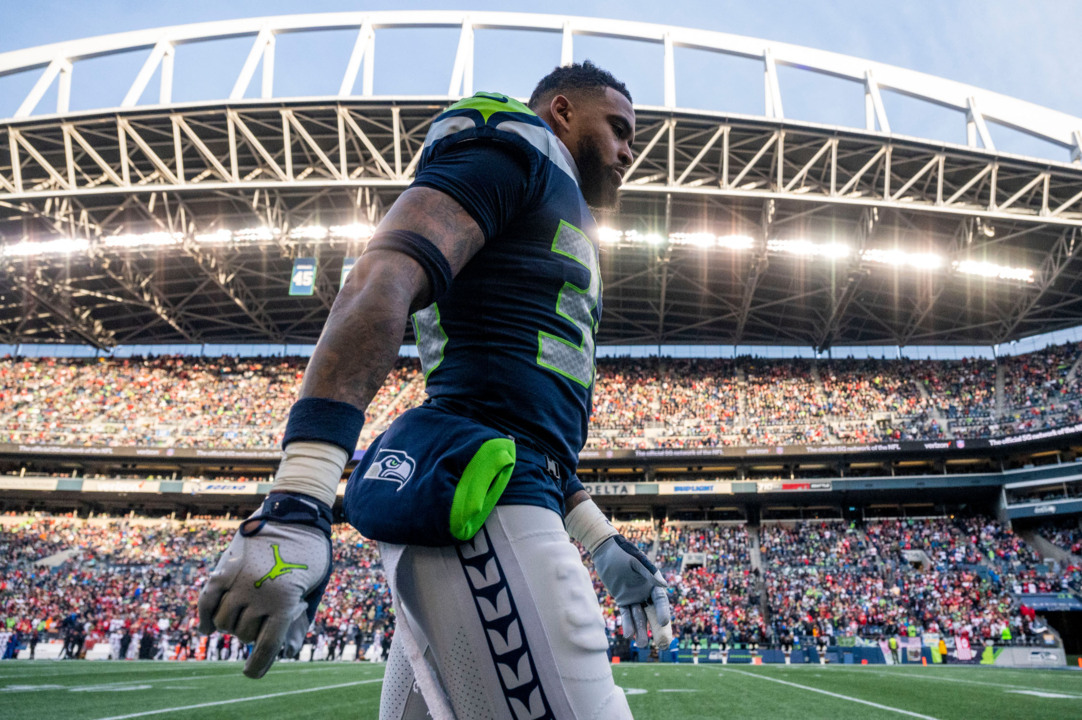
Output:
(505, 627)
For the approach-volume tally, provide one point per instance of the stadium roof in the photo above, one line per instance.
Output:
(150, 221)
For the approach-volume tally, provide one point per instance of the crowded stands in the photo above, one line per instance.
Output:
(90, 581)
(638, 403)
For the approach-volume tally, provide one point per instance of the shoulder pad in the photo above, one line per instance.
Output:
(499, 118)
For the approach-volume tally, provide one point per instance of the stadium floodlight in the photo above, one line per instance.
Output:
(991, 270)
(29, 248)
(709, 240)
(217, 237)
(736, 242)
(807, 248)
(902, 258)
(308, 232)
(609, 235)
(153, 239)
(259, 234)
(700, 239)
(354, 231)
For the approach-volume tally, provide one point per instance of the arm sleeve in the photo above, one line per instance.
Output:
(487, 179)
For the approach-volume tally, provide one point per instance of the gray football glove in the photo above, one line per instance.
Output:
(638, 589)
(268, 583)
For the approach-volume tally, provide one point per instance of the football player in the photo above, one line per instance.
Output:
(493, 250)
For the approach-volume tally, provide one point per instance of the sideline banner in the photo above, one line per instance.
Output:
(695, 488)
(609, 488)
(221, 488)
(27, 483)
(122, 486)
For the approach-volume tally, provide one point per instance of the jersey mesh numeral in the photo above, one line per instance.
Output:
(573, 361)
(431, 339)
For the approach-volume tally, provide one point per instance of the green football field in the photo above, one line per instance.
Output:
(85, 690)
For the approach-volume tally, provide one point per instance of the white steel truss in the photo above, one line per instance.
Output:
(976, 107)
(376, 144)
(229, 163)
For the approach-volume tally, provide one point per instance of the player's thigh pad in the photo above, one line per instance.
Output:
(508, 624)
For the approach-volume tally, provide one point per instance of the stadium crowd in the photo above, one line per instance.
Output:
(638, 403)
(133, 583)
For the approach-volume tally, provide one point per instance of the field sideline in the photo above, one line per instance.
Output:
(84, 690)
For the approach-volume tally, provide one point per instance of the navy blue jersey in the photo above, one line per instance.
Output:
(511, 342)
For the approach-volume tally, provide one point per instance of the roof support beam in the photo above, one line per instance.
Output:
(755, 273)
(364, 50)
(843, 296)
(928, 297)
(72, 318)
(462, 72)
(1062, 253)
(227, 279)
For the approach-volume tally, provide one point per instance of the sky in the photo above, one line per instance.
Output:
(1028, 50)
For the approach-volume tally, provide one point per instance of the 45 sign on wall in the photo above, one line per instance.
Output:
(303, 279)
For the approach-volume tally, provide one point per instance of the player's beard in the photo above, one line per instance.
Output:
(599, 181)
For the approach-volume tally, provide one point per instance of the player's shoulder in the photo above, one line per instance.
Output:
(500, 119)
(486, 109)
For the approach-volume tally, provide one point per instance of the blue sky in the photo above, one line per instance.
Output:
(1028, 50)
(1025, 49)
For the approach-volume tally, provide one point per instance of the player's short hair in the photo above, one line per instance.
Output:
(584, 77)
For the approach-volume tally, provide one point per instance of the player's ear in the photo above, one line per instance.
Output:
(561, 110)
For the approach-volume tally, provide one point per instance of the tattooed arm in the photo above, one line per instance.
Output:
(367, 323)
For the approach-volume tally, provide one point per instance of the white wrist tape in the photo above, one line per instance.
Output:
(311, 468)
(587, 524)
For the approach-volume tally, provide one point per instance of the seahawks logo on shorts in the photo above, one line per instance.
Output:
(391, 465)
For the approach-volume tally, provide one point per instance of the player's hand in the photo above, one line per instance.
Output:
(268, 583)
(638, 589)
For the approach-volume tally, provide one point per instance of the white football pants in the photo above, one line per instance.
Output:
(504, 627)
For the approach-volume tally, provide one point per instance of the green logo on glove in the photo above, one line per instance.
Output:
(280, 568)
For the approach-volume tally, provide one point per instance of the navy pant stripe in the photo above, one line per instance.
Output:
(504, 630)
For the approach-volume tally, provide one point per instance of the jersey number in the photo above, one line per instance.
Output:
(574, 361)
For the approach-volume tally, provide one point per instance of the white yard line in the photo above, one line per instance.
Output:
(240, 700)
(833, 694)
(922, 676)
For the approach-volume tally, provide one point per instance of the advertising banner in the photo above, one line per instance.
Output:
(122, 486)
(27, 483)
(221, 488)
(347, 265)
(795, 486)
(695, 488)
(610, 488)
(302, 281)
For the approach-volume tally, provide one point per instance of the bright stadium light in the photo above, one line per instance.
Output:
(259, 234)
(699, 239)
(217, 237)
(154, 239)
(709, 240)
(807, 248)
(991, 270)
(609, 235)
(736, 242)
(901, 258)
(355, 231)
(62, 246)
(309, 232)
